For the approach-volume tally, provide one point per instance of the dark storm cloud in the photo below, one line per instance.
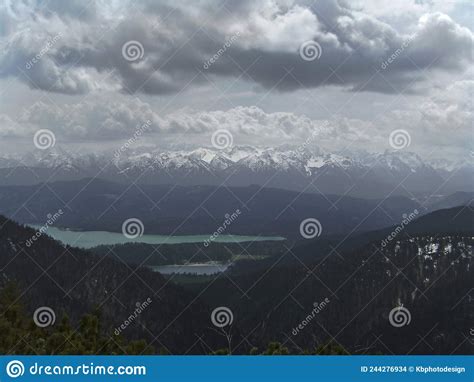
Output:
(186, 46)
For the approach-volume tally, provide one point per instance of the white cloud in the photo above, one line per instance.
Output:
(270, 26)
(177, 41)
(102, 120)
(442, 120)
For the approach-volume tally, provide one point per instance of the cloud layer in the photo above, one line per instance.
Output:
(178, 39)
(440, 122)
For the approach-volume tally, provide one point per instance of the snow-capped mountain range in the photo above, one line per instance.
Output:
(361, 174)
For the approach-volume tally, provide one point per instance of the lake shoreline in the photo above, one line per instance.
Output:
(196, 269)
(91, 239)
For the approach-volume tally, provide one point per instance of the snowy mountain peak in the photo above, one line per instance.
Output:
(284, 157)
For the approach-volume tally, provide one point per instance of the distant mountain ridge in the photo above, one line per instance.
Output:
(296, 168)
(93, 204)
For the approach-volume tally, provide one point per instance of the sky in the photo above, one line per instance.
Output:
(344, 74)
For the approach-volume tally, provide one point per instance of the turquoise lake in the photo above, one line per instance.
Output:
(90, 239)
